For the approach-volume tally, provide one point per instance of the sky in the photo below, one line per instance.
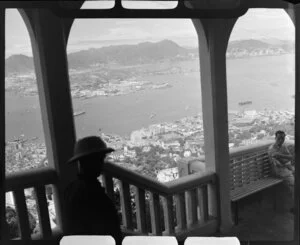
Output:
(87, 33)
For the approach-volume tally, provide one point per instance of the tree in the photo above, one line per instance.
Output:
(13, 222)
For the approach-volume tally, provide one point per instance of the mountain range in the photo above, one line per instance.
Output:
(147, 52)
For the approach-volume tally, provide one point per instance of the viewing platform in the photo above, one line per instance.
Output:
(238, 197)
(183, 207)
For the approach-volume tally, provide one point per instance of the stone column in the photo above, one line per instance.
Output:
(213, 37)
(50, 60)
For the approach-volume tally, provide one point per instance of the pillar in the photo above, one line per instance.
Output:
(213, 37)
(50, 60)
(294, 13)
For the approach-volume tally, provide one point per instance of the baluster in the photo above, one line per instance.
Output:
(125, 200)
(109, 186)
(240, 172)
(180, 212)
(191, 207)
(203, 203)
(43, 212)
(140, 210)
(154, 213)
(22, 212)
(255, 167)
(168, 215)
(212, 200)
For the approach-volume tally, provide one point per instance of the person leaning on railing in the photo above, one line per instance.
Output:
(89, 210)
(282, 161)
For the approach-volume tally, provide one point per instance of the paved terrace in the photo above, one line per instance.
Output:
(259, 221)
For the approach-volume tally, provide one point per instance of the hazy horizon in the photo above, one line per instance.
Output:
(111, 43)
(259, 24)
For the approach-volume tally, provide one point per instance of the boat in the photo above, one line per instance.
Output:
(249, 102)
(78, 113)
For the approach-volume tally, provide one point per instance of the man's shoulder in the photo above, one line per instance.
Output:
(271, 147)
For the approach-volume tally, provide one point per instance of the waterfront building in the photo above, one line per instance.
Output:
(251, 114)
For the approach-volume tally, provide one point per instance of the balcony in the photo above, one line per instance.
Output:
(197, 204)
(184, 207)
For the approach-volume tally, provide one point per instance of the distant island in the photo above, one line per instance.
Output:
(121, 69)
(147, 52)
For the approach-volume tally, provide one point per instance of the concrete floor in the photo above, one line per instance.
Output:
(259, 221)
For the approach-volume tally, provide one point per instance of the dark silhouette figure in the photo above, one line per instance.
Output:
(89, 210)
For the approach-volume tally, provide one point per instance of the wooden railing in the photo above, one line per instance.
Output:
(183, 207)
(36, 179)
(250, 163)
(178, 207)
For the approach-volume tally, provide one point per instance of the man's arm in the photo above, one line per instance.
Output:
(283, 156)
(276, 162)
(277, 158)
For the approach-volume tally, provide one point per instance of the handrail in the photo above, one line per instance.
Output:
(26, 179)
(37, 179)
(243, 150)
(183, 201)
(181, 193)
(175, 186)
(190, 182)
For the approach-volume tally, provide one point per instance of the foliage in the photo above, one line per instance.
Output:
(13, 223)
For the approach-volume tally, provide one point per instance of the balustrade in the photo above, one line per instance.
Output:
(154, 208)
(36, 179)
(147, 206)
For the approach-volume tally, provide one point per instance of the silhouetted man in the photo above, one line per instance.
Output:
(89, 210)
(282, 161)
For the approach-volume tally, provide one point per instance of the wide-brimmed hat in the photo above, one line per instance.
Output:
(89, 145)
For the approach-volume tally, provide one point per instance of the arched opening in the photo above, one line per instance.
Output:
(136, 84)
(132, 80)
(261, 88)
(25, 144)
(24, 130)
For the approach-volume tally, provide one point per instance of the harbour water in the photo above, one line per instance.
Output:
(266, 81)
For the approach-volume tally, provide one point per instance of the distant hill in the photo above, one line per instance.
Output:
(248, 44)
(148, 52)
(251, 47)
(141, 53)
(19, 64)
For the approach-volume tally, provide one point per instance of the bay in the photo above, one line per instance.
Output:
(266, 81)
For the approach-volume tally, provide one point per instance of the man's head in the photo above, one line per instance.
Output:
(279, 137)
(91, 165)
(90, 153)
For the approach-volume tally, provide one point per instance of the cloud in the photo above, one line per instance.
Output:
(129, 32)
(256, 23)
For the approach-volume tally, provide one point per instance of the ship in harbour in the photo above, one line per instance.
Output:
(249, 102)
(78, 113)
